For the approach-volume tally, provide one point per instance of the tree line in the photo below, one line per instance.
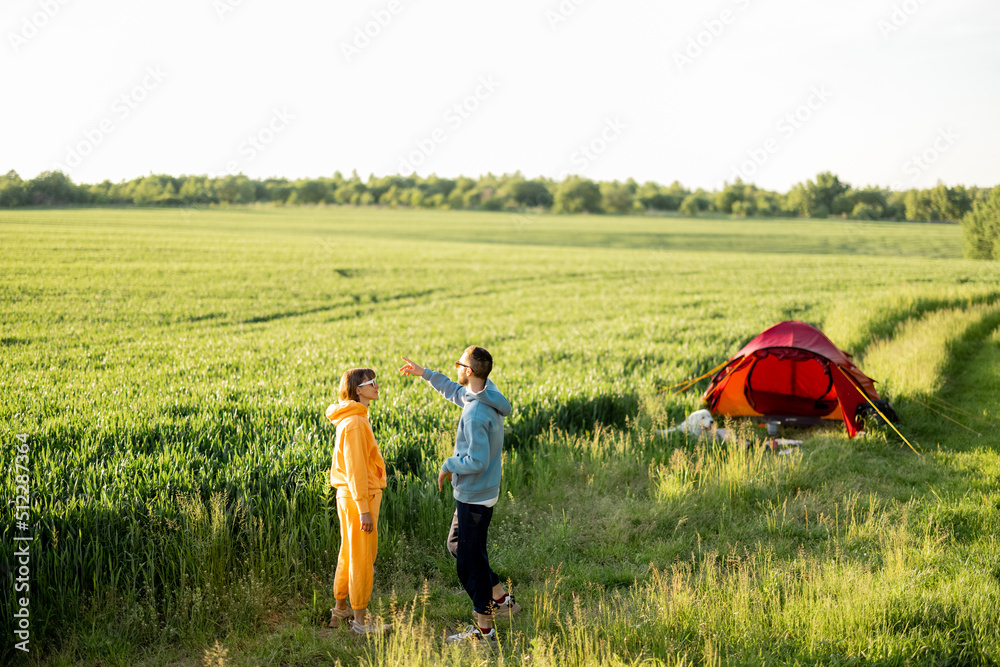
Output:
(824, 196)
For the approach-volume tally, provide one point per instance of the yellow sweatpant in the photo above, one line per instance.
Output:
(356, 563)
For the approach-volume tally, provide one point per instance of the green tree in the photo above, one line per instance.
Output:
(797, 201)
(767, 203)
(865, 204)
(617, 197)
(919, 206)
(457, 198)
(863, 211)
(819, 211)
(823, 196)
(691, 205)
(349, 192)
(312, 191)
(895, 206)
(531, 194)
(981, 228)
(737, 198)
(237, 190)
(198, 190)
(100, 193)
(950, 203)
(53, 188)
(577, 195)
(841, 205)
(491, 204)
(12, 190)
(655, 197)
(377, 187)
(437, 186)
(147, 191)
(729, 195)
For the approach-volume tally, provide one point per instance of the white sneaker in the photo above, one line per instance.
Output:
(473, 633)
(338, 615)
(372, 627)
(506, 607)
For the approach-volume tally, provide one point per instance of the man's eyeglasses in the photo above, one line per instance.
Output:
(371, 382)
(459, 364)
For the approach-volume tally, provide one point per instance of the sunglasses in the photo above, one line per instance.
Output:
(459, 364)
(371, 382)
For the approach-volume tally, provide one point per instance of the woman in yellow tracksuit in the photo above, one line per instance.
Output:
(358, 474)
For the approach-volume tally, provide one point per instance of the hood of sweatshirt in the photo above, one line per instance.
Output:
(492, 397)
(344, 409)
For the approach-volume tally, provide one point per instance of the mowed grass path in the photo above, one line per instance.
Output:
(171, 369)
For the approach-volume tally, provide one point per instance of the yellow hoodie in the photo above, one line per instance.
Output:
(358, 469)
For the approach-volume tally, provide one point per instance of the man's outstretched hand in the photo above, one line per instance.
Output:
(410, 368)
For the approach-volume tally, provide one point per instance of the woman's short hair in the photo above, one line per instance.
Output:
(350, 380)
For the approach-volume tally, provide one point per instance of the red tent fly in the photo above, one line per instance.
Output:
(791, 370)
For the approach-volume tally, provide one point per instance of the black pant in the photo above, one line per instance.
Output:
(467, 543)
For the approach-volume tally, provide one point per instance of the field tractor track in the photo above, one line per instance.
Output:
(891, 327)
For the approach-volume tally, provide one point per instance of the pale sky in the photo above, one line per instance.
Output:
(881, 92)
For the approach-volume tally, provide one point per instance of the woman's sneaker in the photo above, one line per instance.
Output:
(506, 607)
(473, 633)
(372, 627)
(338, 615)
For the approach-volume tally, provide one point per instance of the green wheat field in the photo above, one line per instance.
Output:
(170, 370)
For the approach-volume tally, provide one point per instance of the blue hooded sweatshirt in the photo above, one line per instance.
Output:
(475, 465)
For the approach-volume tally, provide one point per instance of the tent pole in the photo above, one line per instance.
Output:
(947, 417)
(874, 407)
(951, 406)
(689, 383)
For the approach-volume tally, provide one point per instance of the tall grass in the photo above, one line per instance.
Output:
(859, 319)
(914, 360)
(171, 373)
(821, 603)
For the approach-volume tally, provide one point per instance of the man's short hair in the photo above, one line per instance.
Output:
(480, 360)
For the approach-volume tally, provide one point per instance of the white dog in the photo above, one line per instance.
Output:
(697, 423)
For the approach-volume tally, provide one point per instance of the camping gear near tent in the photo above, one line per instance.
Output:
(791, 370)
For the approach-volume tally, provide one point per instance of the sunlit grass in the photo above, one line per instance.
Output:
(914, 360)
(171, 370)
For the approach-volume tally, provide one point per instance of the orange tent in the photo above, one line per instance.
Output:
(791, 369)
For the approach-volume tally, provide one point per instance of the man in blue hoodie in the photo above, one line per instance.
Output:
(474, 470)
